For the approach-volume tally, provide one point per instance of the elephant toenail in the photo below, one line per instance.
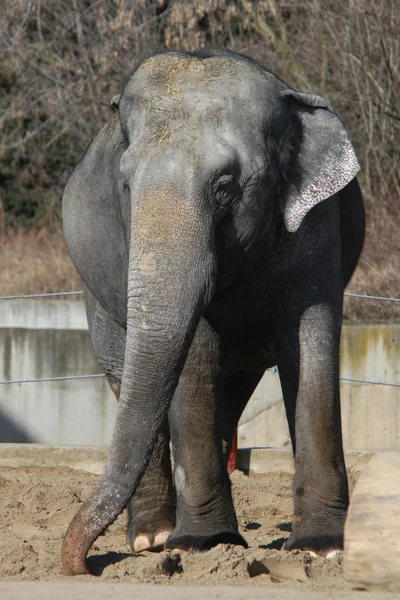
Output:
(141, 543)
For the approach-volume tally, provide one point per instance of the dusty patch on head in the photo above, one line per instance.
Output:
(176, 89)
(170, 69)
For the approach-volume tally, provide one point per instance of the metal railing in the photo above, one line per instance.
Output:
(55, 294)
(273, 370)
(48, 295)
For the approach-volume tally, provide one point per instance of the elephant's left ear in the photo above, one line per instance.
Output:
(317, 158)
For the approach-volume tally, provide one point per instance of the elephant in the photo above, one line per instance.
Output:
(215, 221)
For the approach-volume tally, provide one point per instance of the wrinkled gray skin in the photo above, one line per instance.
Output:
(215, 221)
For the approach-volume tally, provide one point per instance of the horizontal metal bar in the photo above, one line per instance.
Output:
(49, 295)
(351, 380)
(55, 294)
(273, 370)
(372, 297)
(66, 378)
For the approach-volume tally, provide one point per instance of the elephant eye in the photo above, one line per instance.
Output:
(227, 190)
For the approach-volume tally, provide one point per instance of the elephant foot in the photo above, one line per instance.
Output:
(148, 542)
(149, 530)
(202, 542)
(316, 541)
(319, 516)
(328, 555)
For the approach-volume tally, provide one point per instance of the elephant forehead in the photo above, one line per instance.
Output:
(175, 83)
(183, 120)
(181, 96)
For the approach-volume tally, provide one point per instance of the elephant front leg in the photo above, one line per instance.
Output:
(309, 371)
(205, 514)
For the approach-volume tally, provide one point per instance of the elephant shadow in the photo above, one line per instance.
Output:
(274, 545)
(278, 543)
(98, 562)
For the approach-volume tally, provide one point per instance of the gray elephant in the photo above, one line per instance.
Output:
(215, 221)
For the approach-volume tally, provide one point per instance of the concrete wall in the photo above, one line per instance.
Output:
(44, 313)
(48, 338)
(370, 413)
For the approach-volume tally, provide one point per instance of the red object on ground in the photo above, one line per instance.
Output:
(232, 456)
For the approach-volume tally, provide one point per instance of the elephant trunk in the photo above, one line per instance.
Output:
(170, 280)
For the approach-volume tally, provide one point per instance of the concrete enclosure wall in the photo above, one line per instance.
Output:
(370, 413)
(48, 338)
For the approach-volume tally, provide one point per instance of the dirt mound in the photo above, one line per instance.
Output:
(37, 505)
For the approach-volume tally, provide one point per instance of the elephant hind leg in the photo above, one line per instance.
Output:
(151, 510)
(239, 385)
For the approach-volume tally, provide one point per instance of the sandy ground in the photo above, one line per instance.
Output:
(38, 503)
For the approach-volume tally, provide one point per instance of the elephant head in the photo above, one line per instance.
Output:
(213, 158)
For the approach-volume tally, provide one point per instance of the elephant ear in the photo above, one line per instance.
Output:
(316, 158)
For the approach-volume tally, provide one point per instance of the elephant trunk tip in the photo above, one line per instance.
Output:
(89, 522)
(76, 544)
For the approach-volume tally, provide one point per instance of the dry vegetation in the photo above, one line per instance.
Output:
(35, 261)
(62, 61)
